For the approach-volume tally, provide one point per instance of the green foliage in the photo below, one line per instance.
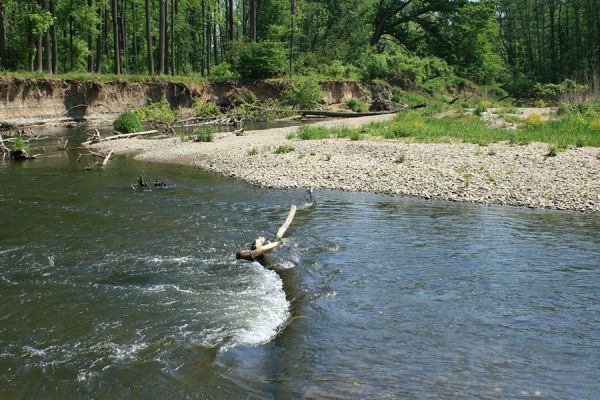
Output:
(356, 105)
(159, 111)
(221, 71)
(252, 152)
(19, 143)
(206, 110)
(552, 152)
(397, 65)
(260, 60)
(40, 22)
(311, 132)
(204, 134)
(284, 149)
(128, 122)
(479, 110)
(303, 94)
(417, 126)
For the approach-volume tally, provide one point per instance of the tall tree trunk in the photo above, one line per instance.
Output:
(173, 38)
(3, 56)
(161, 37)
(208, 41)
(71, 49)
(116, 49)
(244, 17)
(293, 15)
(149, 58)
(54, 38)
(253, 12)
(230, 29)
(47, 48)
(167, 38)
(99, 41)
(124, 42)
(90, 44)
(215, 40)
(135, 39)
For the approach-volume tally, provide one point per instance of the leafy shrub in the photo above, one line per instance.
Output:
(283, 149)
(356, 105)
(252, 152)
(244, 97)
(158, 111)
(205, 110)
(221, 71)
(260, 60)
(204, 134)
(394, 63)
(19, 143)
(479, 110)
(303, 93)
(128, 122)
(534, 120)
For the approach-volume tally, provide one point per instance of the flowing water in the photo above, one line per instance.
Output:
(111, 293)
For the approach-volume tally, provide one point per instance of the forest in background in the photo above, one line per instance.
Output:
(524, 48)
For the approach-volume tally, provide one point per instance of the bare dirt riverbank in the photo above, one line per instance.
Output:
(500, 173)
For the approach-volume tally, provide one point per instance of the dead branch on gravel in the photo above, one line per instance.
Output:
(260, 246)
(98, 138)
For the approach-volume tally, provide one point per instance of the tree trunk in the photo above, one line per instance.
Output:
(71, 51)
(253, 21)
(293, 12)
(3, 56)
(99, 41)
(215, 40)
(135, 39)
(47, 48)
(123, 30)
(230, 29)
(116, 50)
(149, 58)
(167, 38)
(208, 44)
(54, 38)
(173, 38)
(90, 44)
(40, 62)
(161, 37)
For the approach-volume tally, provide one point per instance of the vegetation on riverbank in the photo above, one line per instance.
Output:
(523, 49)
(568, 126)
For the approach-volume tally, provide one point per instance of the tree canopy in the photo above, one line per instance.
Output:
(486, 41)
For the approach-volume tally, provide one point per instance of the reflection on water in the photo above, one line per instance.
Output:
(112, 293)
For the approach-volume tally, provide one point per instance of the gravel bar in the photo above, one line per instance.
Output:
(500, 173)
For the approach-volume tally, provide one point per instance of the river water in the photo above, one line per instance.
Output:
(111, 293)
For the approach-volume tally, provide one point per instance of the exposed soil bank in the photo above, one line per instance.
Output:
(496, 174)
(35, 101)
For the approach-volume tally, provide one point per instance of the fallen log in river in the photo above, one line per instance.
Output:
(260, 246)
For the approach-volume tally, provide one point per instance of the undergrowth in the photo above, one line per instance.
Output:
(421, 126)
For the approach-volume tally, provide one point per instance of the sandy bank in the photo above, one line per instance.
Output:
(496, 174)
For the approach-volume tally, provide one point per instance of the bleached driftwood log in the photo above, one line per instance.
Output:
(97, 139)
(260, 247)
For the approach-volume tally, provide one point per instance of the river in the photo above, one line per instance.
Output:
(113, 293)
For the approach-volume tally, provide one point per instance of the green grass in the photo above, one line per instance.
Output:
(204, 134)
(419, 126)
(283, 149)
(308, 132)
